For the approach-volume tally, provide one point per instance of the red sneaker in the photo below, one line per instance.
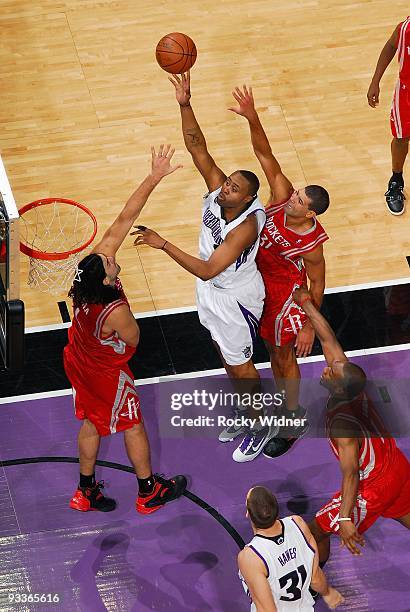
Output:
(164, 491)
(91, 498)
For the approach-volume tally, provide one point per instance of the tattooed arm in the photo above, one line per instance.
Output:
(193, 137)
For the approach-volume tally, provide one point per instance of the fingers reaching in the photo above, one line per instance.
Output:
(175, 80)
(186, 79)
(351, 543)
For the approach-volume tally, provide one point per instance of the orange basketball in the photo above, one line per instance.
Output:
(176, 53)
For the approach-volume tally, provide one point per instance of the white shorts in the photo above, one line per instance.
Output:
(232, 317)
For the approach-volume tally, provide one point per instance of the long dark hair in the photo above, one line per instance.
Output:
(88, 287)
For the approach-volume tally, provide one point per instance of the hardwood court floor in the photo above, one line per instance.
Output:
(83, 99)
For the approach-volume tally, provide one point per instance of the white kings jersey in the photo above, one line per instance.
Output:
(213, 232)
(288, 560)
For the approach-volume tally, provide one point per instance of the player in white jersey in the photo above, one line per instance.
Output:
(230, 290)
(281, 562)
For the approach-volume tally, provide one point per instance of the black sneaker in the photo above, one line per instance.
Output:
(395, 198)
(279, 446)
(91, 498)
(293, 431)
(164, 491)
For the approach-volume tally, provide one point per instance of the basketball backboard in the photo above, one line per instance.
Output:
(11, 307)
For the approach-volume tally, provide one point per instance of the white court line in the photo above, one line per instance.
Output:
(182, 309)
(387, 283)
(204, 373)
(42, 328)
(34, 396)
(169, 311)
(387, 349)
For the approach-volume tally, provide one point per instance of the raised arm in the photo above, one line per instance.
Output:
(232, 247)
(280, 186)
(253, 572)
(193, 137)
(318, 582)
(330, 345)
(385, 57)
(116, 233)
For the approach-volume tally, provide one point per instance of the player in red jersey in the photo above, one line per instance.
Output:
(290, 252)
(400, 111)
(101, 340)
(375, 473)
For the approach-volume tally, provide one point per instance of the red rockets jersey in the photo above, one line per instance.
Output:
(377, 449)
(281, 249)
(403, 51)
(86, 343)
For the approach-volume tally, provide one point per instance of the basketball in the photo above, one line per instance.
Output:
(176, 53)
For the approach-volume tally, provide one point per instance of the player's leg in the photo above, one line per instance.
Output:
(233, 321)
(287, 377)
(286, 371)
(399, 117)
(88, 495)
(88, 445)
(153, 490)
(138, 450)
(245, 379)
(244, 370)
(399, 151)
(246, 382)
(394, 194)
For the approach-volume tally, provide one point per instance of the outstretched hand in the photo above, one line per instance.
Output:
(246, 103)
(333, 599)
(161, 161)
(182, 84)
(350, 537)
(148, 236)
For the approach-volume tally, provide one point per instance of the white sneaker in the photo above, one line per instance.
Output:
(252, 444)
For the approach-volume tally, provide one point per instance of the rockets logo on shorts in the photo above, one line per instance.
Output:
(132, 409)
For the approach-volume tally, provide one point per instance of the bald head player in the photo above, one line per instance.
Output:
(102, 339)
(375, 473)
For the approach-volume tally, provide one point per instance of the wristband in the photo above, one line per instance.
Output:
(343, 518)
(163, 246)
(307, 299)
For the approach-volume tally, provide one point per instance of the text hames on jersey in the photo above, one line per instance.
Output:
(287, 556)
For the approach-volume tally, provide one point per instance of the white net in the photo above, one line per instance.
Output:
(54, 228)
(52, 276)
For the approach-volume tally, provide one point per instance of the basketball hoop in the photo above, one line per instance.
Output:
(53, 234)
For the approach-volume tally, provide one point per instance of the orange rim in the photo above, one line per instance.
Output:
(24, 248)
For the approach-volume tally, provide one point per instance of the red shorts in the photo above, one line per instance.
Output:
(108, 399)
(400, 111)
(282, 318)
(388, 497)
